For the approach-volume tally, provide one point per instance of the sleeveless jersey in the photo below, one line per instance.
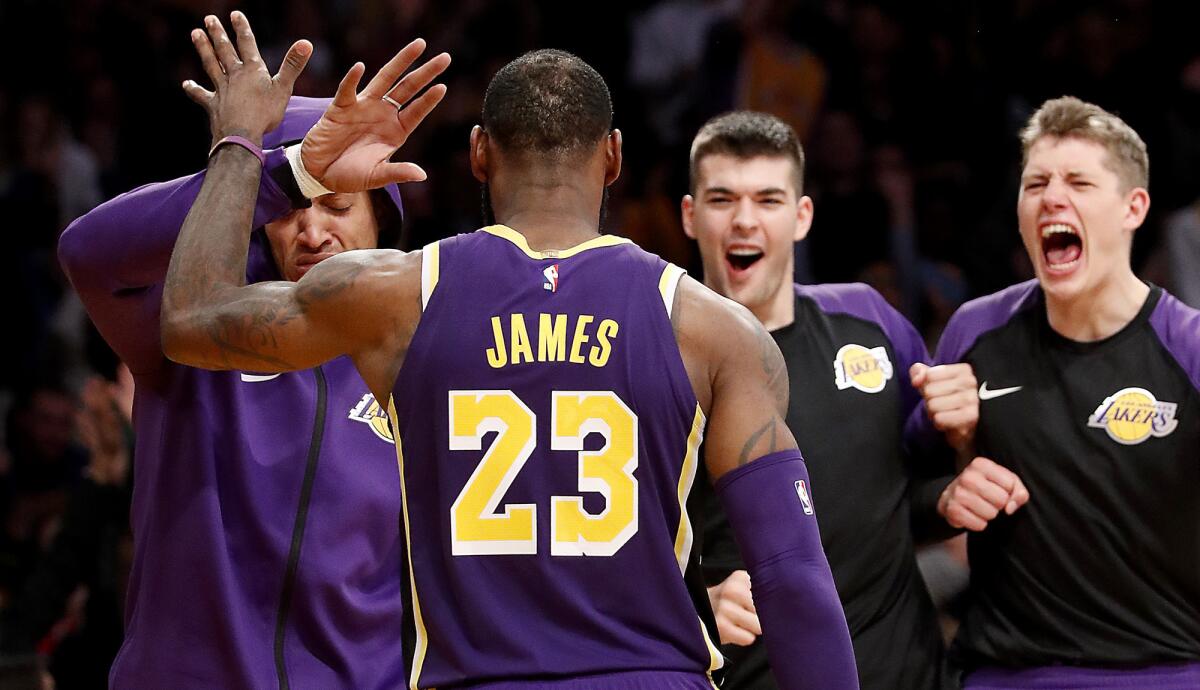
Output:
(548, 437)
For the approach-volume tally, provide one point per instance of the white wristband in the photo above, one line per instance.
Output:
(309, 186)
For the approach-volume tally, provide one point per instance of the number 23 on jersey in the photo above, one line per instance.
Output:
(477, 527)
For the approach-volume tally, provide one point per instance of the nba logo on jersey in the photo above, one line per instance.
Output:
(805, 501)
(551, 274)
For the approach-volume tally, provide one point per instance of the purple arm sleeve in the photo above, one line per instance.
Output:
(116, 257)
(770, 509)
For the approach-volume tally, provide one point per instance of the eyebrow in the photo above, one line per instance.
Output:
(766, 191)
(1042, 175)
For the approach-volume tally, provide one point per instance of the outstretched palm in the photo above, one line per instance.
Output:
(348, 150)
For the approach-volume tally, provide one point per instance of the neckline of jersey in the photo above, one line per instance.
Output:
(519, 240)
(1063, 341)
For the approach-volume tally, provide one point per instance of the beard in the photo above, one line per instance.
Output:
(489, 214)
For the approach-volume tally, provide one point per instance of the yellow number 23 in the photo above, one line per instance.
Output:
(477, 527)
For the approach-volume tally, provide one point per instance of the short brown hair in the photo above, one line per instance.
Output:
(1069, 117)
(747, 134)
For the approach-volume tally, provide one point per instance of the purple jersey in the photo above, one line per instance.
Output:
(549, 439)
(264, 515)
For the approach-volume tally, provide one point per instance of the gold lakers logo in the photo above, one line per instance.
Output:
(369, 412)
(868, 370)
(1132, 415)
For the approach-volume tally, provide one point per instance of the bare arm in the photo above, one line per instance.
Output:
(738, 374)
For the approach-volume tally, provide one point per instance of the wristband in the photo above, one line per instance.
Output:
(310, 187)
(244, 143)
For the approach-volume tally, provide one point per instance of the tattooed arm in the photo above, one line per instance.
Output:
(209, 319)
(738, 374)
(740, 379)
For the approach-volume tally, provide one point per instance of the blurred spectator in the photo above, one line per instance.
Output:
(69, 608)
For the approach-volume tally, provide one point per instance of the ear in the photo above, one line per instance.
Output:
(804, 216)
(479, 157)
(612, 157)
(1137, 205)
(687, 207)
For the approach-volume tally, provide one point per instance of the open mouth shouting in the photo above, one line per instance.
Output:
(740, 258)
(1062, 247)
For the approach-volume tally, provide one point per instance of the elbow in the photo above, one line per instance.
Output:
(72, 252)
(178, 331)
(172, 333)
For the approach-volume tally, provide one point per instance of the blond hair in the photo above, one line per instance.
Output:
(1069, 117)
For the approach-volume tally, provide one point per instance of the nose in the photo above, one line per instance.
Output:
(744, 217)
(1054, 196)
(313, 233)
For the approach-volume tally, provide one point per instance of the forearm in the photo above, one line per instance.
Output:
(209, 258)
(769, 506)
(116, 257)
(928, 525)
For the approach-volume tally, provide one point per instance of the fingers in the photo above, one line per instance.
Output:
(733, 607)
(742, 619)
(418, 79)
(294, 63)
(390, 72)
(917, 373)
(348, 88)
(398, 173)
(948, 378)
(1018, 497)
(412, 114)
(980, 492)
(246, 45)
(221, 44)
(961, 518)
(197, 93)
(737, 590)
(732, 634)
(208, 59)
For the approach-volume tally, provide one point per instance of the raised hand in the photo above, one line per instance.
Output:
(246, 101)
(349, 149)
(979, 493)
(951, 400)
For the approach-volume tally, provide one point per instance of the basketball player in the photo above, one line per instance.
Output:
(1089, 412)
(848, 356)
(550, 387)
(250, 568)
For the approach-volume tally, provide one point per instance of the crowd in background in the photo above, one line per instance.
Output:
(908, 113)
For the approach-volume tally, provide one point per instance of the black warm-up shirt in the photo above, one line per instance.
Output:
(848, 354)
(1102, 566)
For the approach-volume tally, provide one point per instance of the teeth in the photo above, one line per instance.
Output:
(745, 252)
(1056, 229)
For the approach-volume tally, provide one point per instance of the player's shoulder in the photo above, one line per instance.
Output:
(702, 303)
(858, 300)
(983, 315)
(1177, 327)
(863, 302)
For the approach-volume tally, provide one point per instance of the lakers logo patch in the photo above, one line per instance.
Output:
(369, 412)
(868, 370)
(1132, 415)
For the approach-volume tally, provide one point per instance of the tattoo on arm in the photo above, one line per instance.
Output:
(768, 431)
(775, 369)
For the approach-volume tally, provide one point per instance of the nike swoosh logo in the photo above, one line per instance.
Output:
(258, 378)
(985, 394)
